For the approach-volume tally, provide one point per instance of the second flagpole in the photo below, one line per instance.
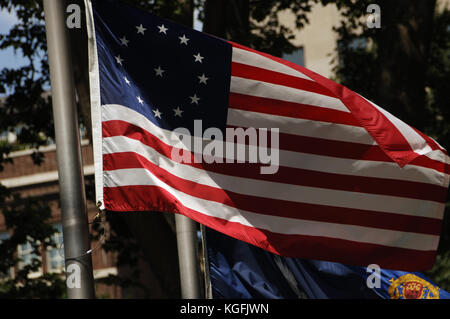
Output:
(188, 257)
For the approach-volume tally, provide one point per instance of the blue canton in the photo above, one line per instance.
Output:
(171, 74)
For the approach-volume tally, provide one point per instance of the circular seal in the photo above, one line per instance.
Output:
(410, 286)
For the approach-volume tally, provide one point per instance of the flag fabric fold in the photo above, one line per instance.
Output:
(333, 176)
(238, 270)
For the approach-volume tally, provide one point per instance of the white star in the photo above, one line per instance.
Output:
(178, 111)
(159, 71)
(126, 80)
(198, 58)
(194, 99)
(119, 59)
(124, 41)
(202, 78)
(162, 29)
(141, 102)
(183, 40)
(140, 29)
(157, 113)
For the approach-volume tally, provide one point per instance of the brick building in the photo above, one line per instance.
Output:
(42, 181)
(317, 45)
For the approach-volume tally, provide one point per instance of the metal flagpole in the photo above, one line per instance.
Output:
(80, 282)
(207, 277)
(187, 257)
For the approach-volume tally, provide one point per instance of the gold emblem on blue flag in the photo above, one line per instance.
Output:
(410, 286)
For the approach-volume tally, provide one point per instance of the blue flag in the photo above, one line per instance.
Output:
(240, 270)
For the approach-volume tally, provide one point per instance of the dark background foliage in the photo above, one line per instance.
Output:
(404, 67)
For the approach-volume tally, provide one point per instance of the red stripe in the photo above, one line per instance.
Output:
(296, 143)
(288, 142)
(274, 207)
(434, 146)
(264, 75)
(325, 147)
(298, 246)
(350, 183)
(289, 109)
(289, 175)
(388, 137)
(349, 150)
(424, 161)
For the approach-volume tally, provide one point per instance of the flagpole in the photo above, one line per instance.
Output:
(80, 282)
(207, 277)
(187, 257)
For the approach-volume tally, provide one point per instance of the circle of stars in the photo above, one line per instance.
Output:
(162, 30)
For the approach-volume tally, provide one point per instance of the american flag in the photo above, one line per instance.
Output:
(354, 185)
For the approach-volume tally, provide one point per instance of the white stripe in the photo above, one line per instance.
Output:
(301, 127)
(257, 60)
(281, 225)
(387, 170)
(284, 93)
(438, 155)
(295, 159)
(295, 193)
(439, 145)
(94, 84)
(417, 142)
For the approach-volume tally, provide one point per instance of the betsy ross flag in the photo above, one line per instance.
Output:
(335, 178)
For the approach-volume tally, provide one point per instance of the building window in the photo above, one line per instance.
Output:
(10, 273)
(296, 57)
(55, 255)
(4, 136)
(27, 254)
(353, 45)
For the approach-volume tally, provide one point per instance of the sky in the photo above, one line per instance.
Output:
(11, 59)
(198, 25)
(7, 56)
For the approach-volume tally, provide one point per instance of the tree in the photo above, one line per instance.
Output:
(28, 104)
(27, 108)
(418, 95)
(403, 67)
(28, 220)
(255, 23)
